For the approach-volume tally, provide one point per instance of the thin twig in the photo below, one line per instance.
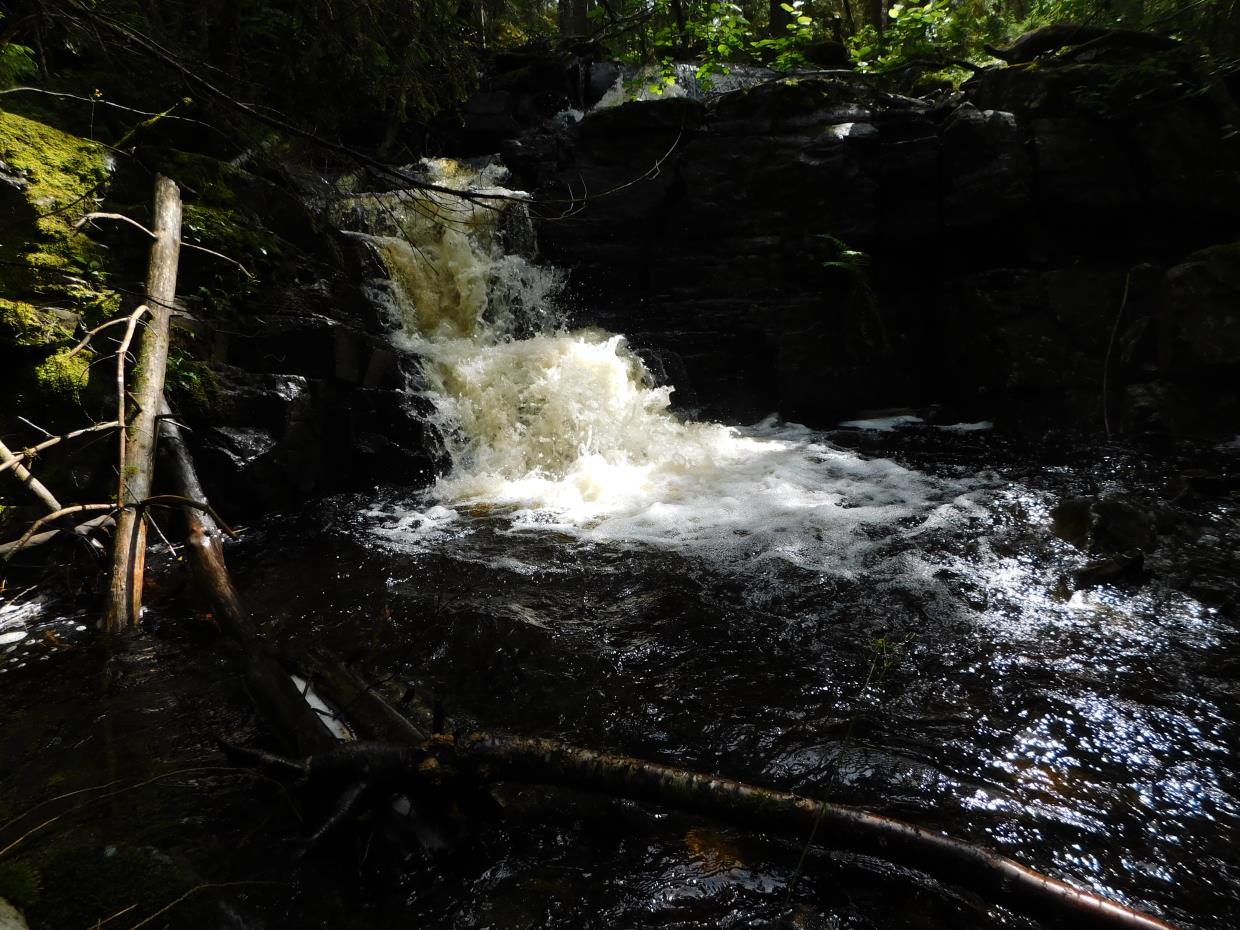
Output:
(189, 245)
(112, 216)
(32, 451)
(206, 886)
(62, 512)
(29, 833)
(202, 248)
(35, 426)
(121, 913)
(78, 529)
(95, 332)
(167, 500)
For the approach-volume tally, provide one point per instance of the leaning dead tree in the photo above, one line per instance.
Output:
(137, 442)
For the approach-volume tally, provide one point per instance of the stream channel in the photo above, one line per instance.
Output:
(885, 614)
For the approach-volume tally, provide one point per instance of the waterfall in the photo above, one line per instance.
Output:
(555, 428)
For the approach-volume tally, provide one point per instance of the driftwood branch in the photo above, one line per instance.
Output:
(436, 764)
(433, 764)
(22, 455)
(11, 548)
(38, 539)
(138, 464)
(22, 473)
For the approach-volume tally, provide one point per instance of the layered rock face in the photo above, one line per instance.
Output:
(814, 246)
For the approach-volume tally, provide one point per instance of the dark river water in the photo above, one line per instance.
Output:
(949, 671)
(949, 674)
(1029, 644)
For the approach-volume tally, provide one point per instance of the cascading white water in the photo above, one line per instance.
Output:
(566, 430)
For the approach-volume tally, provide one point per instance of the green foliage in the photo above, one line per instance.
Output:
(787, 51)
(865, 334)
(396, 57)
(931, 33)
(193, 380)
(16, 61)
(715, 34)
(943, 36)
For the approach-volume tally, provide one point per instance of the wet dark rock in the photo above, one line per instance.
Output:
(14, 203)
(282, 438)
(1119, 569)
(1027, 239)
(1106, 526)
(1203, 321)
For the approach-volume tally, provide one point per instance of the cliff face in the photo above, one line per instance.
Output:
(1046, 229)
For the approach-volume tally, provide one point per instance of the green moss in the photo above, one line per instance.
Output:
(203, 178)
(51, 263)
(63, 375)
(193, 380)
(25, 324)
(228, 233)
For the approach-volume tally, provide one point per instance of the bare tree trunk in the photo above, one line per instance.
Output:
(574, 23)
(779, 20)
(876, 14)
(129, 554)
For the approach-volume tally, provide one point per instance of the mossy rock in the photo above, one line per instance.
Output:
(63, 374)
(229, 233)
(1223, 260)
(56, 274)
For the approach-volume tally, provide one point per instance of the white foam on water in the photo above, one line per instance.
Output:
(884, 424)
(567, 431)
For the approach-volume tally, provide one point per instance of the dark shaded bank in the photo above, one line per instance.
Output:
(1053, 228)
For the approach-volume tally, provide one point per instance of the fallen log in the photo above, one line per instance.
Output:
(434, 764)
(1051, 38)
(274, 693)
(443, 763)
(124, 606)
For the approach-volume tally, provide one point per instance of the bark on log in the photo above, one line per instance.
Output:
(129, 549)
(272, 690)
(487, 757)
(549, 762)
(22, 473)
(443, 761)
